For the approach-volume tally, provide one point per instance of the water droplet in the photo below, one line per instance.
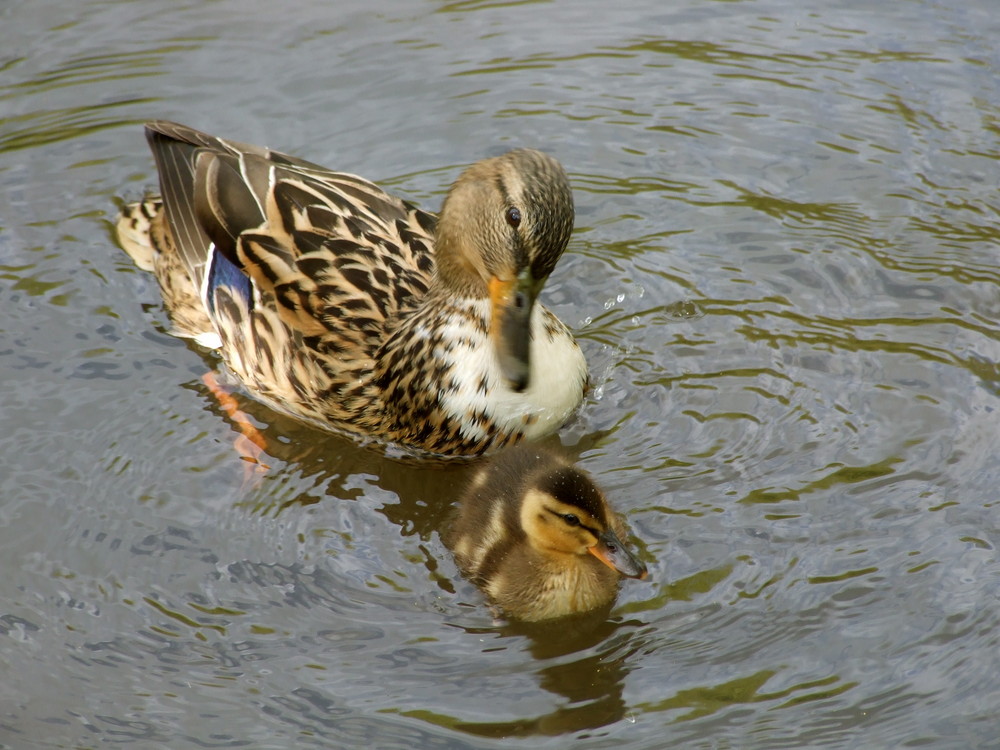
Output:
(621, 298)
(684, 309)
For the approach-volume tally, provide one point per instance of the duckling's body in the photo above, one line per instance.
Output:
(354, 310)
(539, 537)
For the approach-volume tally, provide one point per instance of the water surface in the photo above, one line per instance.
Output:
(784, 276)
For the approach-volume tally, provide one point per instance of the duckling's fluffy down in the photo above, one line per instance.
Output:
(539, 538)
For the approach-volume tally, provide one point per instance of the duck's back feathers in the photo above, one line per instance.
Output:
(285, 222)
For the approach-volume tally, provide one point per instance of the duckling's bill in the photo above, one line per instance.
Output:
(512, 303)
(611, 551)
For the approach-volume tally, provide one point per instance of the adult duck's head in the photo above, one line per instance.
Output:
(503, 226)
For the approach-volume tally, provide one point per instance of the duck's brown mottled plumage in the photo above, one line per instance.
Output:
(357, 311)
(538, 536)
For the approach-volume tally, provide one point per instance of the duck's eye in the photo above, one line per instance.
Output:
(513, 217)
(571, 519)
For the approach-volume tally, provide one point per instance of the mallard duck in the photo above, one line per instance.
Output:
(357, 311)
(539, 538)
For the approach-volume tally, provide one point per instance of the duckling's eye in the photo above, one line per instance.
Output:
(513, 217)
(571, 519)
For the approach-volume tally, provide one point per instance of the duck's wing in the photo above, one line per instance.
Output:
(260, 226)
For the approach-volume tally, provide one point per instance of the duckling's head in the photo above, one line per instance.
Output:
(503, 226)
(564, 513)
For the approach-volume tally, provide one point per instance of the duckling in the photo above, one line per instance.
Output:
(539, 538)
(356, 311)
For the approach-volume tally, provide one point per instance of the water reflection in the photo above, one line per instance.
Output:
(584, 663)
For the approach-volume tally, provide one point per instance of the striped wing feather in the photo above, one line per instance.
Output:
(332, 258)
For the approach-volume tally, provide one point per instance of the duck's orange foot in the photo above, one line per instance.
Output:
(250, 444)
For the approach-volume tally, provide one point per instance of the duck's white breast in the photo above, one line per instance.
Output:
(555, 386)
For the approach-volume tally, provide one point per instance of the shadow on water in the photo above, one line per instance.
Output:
(425, 486)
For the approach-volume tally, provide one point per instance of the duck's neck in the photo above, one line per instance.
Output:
(454, 274)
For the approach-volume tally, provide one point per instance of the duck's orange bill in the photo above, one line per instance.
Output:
(612, 552)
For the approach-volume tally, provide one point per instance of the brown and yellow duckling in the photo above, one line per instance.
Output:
(539, 538)
(356, 311)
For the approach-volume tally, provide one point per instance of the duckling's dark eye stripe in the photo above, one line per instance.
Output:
(564, 517)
